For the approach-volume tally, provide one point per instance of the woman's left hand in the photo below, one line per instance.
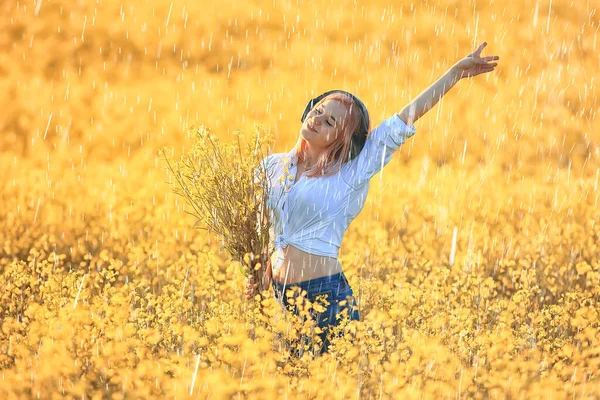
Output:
(474, 64)
(252, 288)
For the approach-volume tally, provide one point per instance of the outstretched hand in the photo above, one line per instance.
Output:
(474, 64)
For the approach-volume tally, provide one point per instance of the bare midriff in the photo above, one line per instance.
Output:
(301, 266)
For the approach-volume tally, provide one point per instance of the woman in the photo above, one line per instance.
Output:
(320, 186)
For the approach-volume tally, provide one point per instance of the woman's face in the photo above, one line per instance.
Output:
(323, 123)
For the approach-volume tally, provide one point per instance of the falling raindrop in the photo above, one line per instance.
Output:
(453, 249)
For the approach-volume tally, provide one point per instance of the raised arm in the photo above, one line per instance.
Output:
(470, 66)
(385, 139)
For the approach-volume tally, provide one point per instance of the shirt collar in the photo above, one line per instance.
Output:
(292, 157)
(290, 164)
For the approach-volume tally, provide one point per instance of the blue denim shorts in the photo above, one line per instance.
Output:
(335, 288)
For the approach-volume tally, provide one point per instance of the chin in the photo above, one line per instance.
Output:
(306, 133)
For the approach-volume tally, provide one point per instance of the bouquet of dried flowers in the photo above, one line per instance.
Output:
(227, 188)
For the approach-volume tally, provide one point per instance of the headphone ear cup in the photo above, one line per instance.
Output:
(357, 143)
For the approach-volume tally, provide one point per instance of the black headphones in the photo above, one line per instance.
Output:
(360, 136)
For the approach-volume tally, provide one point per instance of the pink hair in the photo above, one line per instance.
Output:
(338, 152)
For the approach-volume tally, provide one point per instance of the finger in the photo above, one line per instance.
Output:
(490, 58)
(480, 48)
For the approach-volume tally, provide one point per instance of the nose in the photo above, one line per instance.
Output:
(317, 119)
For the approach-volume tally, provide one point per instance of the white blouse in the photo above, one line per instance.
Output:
(314, 213)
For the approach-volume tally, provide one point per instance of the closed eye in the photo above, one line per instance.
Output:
(319, 112)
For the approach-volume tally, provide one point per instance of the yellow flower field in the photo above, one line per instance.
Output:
(475, 261)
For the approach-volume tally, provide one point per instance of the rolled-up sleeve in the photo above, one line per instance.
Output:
(379, 148)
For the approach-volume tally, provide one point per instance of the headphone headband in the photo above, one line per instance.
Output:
(312, 102)
(360, 136)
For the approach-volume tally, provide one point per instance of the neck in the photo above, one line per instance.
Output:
(310, 155)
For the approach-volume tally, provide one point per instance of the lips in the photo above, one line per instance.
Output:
(310, 126)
